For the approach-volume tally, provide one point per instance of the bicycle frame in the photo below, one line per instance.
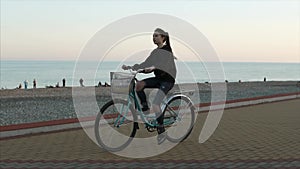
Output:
(132, 97)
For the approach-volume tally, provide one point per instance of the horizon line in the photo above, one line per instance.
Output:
(69, 60)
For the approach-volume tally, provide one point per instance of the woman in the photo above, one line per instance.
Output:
(161, 62)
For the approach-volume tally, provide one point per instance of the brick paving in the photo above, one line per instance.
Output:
(260, 136)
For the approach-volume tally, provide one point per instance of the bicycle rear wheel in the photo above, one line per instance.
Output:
(115, 125)
(179, 118)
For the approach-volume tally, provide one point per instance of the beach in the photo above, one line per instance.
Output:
(43, 104)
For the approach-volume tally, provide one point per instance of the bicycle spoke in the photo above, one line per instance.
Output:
(183, 115)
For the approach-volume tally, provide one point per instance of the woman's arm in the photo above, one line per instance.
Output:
(150, 61)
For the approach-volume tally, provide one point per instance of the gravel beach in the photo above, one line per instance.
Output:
(43, 104)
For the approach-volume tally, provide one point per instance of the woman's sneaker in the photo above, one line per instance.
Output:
(146, 110)
(162, 135)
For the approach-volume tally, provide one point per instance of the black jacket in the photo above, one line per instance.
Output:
(163, 60)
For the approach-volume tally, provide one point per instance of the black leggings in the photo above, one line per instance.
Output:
(163, 86)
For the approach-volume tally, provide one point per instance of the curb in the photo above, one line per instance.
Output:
(19, 130)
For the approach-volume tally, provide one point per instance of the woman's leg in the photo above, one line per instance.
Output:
(164, 88)
(141, 85)
(141, 94)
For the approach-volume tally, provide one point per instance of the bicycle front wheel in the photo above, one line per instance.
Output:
(179, 118)
(115, 125)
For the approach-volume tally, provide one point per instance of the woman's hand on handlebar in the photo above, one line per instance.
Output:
(125, 67)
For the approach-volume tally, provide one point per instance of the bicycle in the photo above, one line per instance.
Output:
(118, 118)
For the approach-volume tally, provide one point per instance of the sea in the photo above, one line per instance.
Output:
(51, 73)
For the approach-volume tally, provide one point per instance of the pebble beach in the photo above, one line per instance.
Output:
(43, 104)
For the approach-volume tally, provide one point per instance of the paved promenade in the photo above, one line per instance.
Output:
(260, 136)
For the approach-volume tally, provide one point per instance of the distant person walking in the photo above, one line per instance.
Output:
(64, 82)
(81, 82)
(34, 83)
(25, 84)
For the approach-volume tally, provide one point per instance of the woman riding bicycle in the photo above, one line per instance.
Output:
(161, 62)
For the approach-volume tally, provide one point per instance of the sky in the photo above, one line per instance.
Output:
(239, 30)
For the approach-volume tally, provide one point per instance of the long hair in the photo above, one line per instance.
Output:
(167, 38)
